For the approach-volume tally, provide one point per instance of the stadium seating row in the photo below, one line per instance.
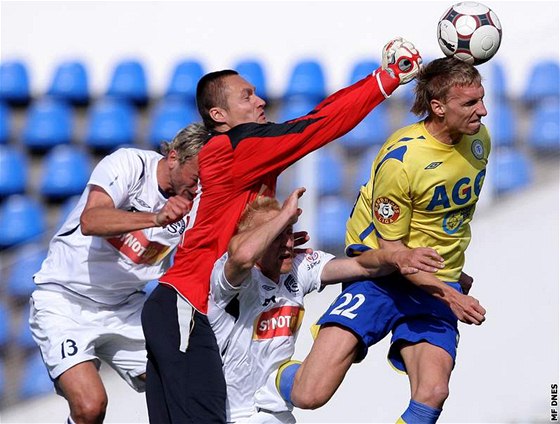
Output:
(129, 80)
(111, 123)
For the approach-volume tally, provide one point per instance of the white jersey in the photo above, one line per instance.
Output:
(256, 326)
(109, 269)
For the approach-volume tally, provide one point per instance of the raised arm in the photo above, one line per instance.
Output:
(247, 247)
(100, 217)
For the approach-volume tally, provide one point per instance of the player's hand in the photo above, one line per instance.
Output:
(467, 309)
(410, 261)
(401, 59)
(290, 205)
(300, 238)
(174, 210)
(466, 282)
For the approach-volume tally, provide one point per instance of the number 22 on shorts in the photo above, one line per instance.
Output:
(349, 304)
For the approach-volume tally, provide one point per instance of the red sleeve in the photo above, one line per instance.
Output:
(261, 149)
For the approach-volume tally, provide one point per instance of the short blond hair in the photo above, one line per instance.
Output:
(260, 205)
(187, 142)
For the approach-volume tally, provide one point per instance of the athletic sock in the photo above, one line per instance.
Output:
(285, 379)
(419, 413)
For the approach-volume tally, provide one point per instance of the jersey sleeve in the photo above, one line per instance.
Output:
(117, 173)
(309, 268)
(221, 290)
(262, 149)
(392, 205)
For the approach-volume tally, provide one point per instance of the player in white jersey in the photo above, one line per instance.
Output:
(256, 301)
(120, 236)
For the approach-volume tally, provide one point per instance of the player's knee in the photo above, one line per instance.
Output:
(89, 411)
(433, 394)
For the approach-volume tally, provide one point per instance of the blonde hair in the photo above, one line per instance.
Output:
(260, 205)
(187, 142)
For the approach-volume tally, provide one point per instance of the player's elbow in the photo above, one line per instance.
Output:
(309, 399)
(86, 225)
(242, 259)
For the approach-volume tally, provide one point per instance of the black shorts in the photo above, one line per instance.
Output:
(184, 377)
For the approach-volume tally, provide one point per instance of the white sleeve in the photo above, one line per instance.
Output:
(309, 268)
(117, 173)
(221, 291)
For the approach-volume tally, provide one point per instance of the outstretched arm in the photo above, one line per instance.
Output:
(466, 308)
(380, 262)
(100, 217)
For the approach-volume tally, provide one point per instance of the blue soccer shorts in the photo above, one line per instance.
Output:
(371, 309)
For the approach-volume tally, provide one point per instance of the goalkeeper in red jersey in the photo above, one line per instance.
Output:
(241, 161)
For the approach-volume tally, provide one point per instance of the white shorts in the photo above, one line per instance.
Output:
(71, 329)
(269, 417)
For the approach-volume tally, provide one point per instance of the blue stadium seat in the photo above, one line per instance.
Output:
(307, 80)
(499, 87)
(2, 378)
(4, 326)
(22, 219)
(65, 172)
(503, 124)
(330, 172)
(110, 123)
(70, 83)
(167, 118)
(14, 83)
(24, 337)
(184, 80)
(36, 380)
(129, 82)
(49, 123)
(65, 209)
(374, 129)
(294, 108)
(27, 261)
(332, 214)
(5, 123)
(543, 81)
(544, 127)
(363, 170)
(253, 71)
(362, 69)
(512, 170)
(13, 171)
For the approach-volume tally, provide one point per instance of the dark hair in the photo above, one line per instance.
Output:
(436, 79)
(210, 93)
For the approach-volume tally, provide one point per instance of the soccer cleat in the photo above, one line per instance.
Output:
(401, 60)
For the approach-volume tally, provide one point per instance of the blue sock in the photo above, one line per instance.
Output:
(285, 379)
(419, 413)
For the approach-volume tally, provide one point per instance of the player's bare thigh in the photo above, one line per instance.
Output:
(429, 370)
(322, 372)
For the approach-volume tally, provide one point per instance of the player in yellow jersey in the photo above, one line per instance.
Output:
(423, 189)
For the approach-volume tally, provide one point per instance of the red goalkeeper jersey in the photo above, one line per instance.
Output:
(237, 166)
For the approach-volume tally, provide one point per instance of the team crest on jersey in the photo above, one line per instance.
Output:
(454, 220)
(477, 149)
(291, 284)
(386, 211)
(177, 227)
(313, 260)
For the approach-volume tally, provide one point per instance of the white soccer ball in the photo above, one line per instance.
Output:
(469, 31)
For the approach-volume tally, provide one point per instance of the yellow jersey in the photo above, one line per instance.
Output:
(422, 192)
